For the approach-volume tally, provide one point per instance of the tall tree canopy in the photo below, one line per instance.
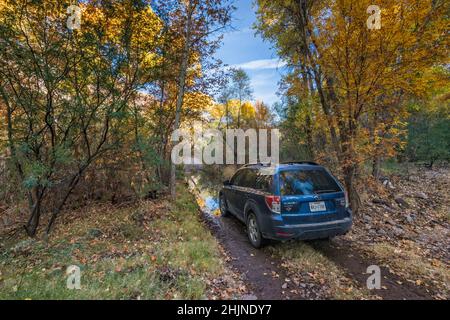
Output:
(360, 76)
(106, 93)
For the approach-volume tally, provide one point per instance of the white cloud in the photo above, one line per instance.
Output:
(265, 85)
(239, 32)
(263, 64)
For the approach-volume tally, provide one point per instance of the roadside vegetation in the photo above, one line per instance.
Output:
(151, 250)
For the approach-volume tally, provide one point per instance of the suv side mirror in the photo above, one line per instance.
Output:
(227, 183)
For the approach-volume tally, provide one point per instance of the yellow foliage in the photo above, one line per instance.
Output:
(366, 74)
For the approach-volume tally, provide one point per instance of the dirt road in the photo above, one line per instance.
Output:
(265, 274)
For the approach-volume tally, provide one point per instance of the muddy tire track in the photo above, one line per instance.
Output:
(262, 273)
(355, 265)
(258, 267)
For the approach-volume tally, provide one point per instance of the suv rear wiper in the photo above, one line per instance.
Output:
(325, 191)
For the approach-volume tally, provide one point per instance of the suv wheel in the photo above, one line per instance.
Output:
(254, 232)
(223, 206)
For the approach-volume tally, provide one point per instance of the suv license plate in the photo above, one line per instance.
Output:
(317, 206)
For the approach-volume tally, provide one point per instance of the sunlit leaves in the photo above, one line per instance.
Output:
(371, 72)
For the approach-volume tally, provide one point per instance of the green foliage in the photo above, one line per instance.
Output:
(294, 129)
(69, 94)
(429, 136)
(429, 122)
(35, 175)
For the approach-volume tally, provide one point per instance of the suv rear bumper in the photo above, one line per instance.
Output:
(310, 231)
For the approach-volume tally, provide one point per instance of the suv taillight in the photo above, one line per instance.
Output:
(347, 202)
(274, 203)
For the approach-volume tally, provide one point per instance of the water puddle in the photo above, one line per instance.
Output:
(206, 196)
(254, 266)
(206, 192)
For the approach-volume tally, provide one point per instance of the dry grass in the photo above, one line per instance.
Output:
(405, 261)
(155, 250)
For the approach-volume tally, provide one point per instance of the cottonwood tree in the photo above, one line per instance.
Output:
(354, 68)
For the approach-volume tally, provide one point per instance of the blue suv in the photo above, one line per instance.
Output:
(297, 200)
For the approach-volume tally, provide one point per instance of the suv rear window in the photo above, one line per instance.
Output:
(305, 182)
(255, 179)
(264, 181)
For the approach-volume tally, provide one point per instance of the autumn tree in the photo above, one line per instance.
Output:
(196, 22)
(263, 116)
(67, 92)
(224, 98)
(357, 72)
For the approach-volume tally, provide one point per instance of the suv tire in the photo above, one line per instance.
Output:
(223, 206)
(254, 231)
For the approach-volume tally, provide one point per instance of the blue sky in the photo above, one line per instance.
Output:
(243, 48)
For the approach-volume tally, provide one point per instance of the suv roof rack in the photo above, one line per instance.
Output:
(256, 164)
(312, 163)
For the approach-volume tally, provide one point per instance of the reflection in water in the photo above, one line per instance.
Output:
(205, 183)
(206, 196)
(212, 204)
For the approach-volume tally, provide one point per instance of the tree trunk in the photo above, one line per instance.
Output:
(430, 166)
(239, 114)
(35, 212)
(227, 114)
(181, 89)
(73, 183)
(309, 137)
(328, 114)
(309, 88)
(349, 180)
(376, 162)
(138, 141)
(33, 222)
